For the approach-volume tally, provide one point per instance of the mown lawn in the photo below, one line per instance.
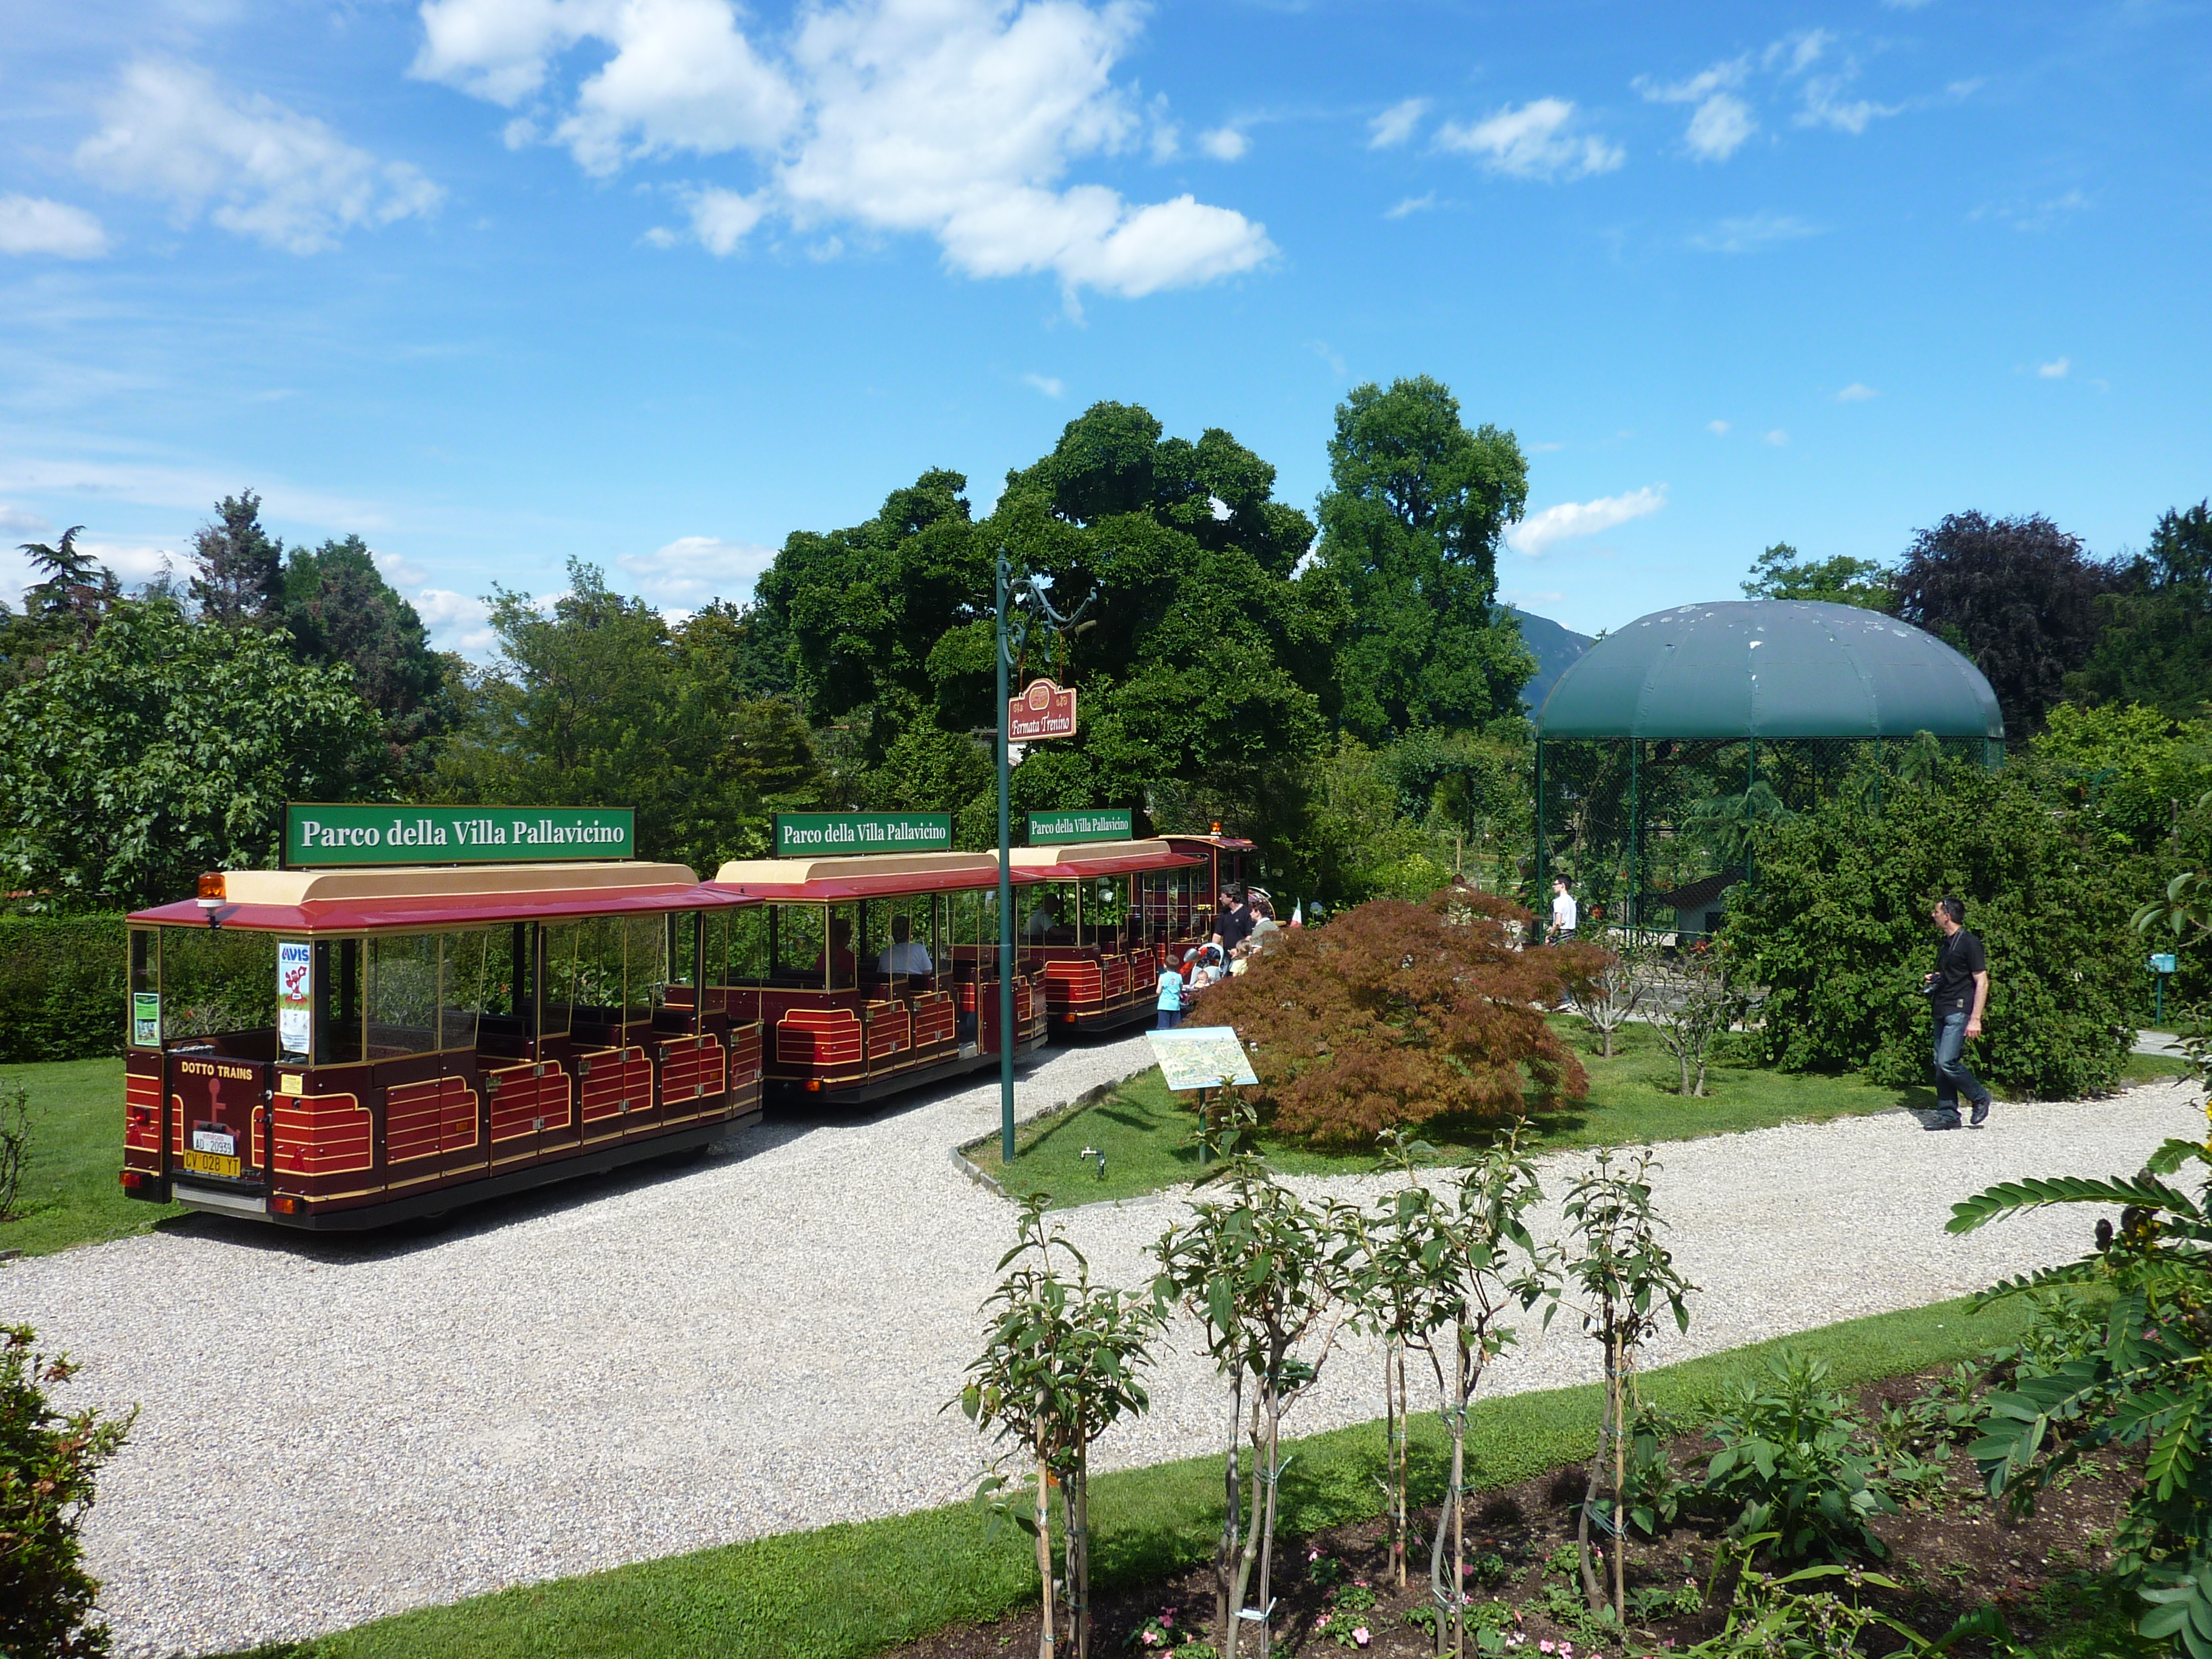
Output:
(1145, 1131)
(69, 1193)
(847, 1591)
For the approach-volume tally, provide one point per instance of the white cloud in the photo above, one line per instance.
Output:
(2056, 369)
(1699, 87)
(399, 571)
(1049, 385)
(456, 622)
(1720, 127)
(1795, 54)
(1534, 141)
(1718, 428)
(31, 224)
(284, 178)
(1777, 437)
(1857, 393)
(955, 119)
(14, 522)
(681, 77)
(720, 219)
(1539, 532)
(1224, 144)
(692, 570)
(1396, 125)
(1752, 233)
(1412, 204)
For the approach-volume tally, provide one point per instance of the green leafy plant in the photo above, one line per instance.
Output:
(1795, 1460)
(49, 1462)
(1628, 1281)
(1060, 1364)
(1269, 1278)
(1690, 1005)
(1608, 995)
(1440, 1270)
(15, 1144)
(1784, 1618)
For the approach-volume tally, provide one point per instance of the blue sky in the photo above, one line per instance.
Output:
(653, 282)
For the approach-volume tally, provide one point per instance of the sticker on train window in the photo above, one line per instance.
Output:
(145, 1019)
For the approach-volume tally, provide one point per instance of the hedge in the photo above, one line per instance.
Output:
(62, 985)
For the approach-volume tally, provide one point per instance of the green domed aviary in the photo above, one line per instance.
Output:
(1666, 748)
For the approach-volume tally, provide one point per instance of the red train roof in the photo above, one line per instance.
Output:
(1081, 861)
(840, 880)
(351, 901)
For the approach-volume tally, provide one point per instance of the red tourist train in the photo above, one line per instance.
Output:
(440, 1036)
(443, 1034)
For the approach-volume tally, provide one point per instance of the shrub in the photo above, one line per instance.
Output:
(1835, 926)
(61, 988)
(47, 1463)
(1792, 1456)
(1398, 1013)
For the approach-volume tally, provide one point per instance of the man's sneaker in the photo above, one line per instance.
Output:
(1981, 1115)
(1950, 1122)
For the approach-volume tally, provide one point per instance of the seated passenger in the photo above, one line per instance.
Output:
(1042, 921)
(844, 966)
(906, 956)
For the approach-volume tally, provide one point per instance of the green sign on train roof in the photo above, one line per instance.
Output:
(1081, 824)
(827, 834)
(321, 837)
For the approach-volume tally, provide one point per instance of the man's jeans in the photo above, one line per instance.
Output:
(1951, 1073)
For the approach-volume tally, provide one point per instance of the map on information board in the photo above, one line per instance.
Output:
(1201, 1057)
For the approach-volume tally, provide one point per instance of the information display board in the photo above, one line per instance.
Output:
(325, 836)
(1201, 1057)
(827, 835)
(1081, 824)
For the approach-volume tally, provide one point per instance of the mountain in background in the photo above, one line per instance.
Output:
(1554, 648)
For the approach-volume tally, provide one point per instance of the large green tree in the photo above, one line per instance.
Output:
(240, 565)
(339, 608)
(1782, 573)
(1410, 526)
(2156, 646)
(1195, 661)
(162, 747)
(596, 700)
(73, 595)
(2017, 595)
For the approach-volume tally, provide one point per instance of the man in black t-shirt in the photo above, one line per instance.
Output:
(1959, 989)
(1234, 924)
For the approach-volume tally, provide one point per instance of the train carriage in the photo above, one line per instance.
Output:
(341, 1049)
(1099, 920)
(870, 972)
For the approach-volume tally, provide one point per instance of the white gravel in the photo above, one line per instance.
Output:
(333, 1430)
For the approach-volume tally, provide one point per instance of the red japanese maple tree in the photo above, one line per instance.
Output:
(1398, 1013)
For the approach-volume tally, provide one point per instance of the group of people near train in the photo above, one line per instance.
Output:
(1241, 929)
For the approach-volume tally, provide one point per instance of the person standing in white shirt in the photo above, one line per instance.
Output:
(1564, 914)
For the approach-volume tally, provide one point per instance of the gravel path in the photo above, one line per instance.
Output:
(335, 1429)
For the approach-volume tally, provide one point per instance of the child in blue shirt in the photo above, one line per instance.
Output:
(1170, 997)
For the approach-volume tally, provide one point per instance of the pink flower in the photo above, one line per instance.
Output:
(1322, 1623)
(1547, 1646)
(1313, 1555)
(1167, 1615)
(1151, 1638)
(1361, 1582)
(1359, 1635)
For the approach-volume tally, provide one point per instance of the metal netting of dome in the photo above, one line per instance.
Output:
(1769, 668)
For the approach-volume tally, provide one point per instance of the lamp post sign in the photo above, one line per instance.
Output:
(1045, 710)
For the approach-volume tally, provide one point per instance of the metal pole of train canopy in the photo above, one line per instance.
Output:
(1005, 903)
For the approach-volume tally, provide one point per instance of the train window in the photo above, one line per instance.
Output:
(797, 936)
(561, 942)
(747, 962)
(899, 941)
(468, 969)
(217, 983)
(842, 962)
(645, 964)
(336, 1006)
(403, 995)
(598, 992)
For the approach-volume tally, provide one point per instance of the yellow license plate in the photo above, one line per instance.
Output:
(211, 1164)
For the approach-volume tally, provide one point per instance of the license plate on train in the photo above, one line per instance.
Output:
(211, 1164)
